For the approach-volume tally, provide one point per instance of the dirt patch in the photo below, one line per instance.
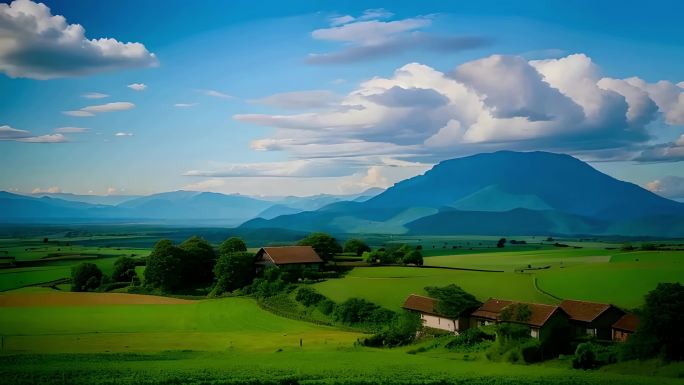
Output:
(85, 299)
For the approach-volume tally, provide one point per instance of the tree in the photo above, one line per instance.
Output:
(198, 262)
(518, 312)
(660, 331)
(124, 269)
(325, 245)
(452, 300)
(356, 246)
(501, 243)
(85, 276)
(413, 258)
(164, 269)
(234, 270)
(232, 245)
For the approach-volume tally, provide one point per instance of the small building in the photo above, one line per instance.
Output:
(625, 327)
(427, 308)
(592, 318)
(542, 318)
(288, 257)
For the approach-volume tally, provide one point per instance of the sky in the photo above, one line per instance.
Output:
(309, 97)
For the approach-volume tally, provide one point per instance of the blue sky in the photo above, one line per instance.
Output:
(336, 97)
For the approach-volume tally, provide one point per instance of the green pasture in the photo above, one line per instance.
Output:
(13, 278)
(389, 286)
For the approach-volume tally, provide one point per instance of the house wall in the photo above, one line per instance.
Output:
(620, 335)
(436, 322)
(601, 327)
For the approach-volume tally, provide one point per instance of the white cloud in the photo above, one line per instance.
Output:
(498, 102)
(670, 187)
(10, 133)
(100, 108)
(36, 44)
(216, 94)
(137, 86)
(369, 37)
(50, 138)
(50, 190)
(71, 130)
(123, 134)
(184, 105)
(300, 99)
(94, 95)
(664, 152)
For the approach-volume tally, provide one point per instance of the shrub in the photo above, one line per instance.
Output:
(355, 311)
(124, 269)
(401, 331)
(413, 258)
(589, 355)
(308, 296)
(326, 306)
(356, 246)
(85, 276)
(469, 338)
(531, 351)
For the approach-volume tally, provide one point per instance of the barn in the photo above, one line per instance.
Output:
(427, 308)
(288, 258)
(592, 318)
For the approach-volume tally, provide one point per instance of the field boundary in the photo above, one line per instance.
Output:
(538, 288)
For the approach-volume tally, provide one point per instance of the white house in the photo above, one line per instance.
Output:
(426, 306)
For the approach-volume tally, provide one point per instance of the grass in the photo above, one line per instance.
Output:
(389, 286)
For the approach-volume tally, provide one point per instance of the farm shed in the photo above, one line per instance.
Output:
(427, 307)
(625, 327)
(288, 257)
(591, 318)
(542, 319)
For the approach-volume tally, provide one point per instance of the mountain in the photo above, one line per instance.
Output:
(21, 208)
(498, 193)
(110, 200)
(294, 205)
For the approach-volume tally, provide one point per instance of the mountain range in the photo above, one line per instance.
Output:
(500, 193)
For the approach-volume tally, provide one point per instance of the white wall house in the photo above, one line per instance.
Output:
(426, 307)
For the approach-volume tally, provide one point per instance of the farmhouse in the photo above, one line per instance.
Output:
(540, 318)
(427, 307)
(591, 318)
(625, 327)
(288, 257)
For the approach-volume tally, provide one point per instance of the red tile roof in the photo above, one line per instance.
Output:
(582, 310)
(539, 313)
(420, 303)
(289, 254)
(628, 322)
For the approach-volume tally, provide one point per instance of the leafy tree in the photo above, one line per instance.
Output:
(232, 245)
(325, 245)
(359, 311)
(501, 243)
(234, 270)
(85, 276)
(400, 331)
(164, 269)
(308, 296)
(452, 300)
(124, 269)
(198, 262)
(414, 257)
(356, 246)
(660, 331)
(518, 312)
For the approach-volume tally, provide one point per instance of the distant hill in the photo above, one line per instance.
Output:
(110, 200)
(499, 193)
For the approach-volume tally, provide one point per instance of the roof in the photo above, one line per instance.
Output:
(582, 310)
(290, 254)
(628, 322)
(420, 303)
(539, 313)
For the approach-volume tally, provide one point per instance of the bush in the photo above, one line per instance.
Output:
(356, 246)
(85, 276)
(232, 245)
(469, 338)
(401, 331)
(355, 311)
(124, 269)
(413, 258)
(589, 355)
(326, 306)
(269, 285)
(308, 296)
(531, 351)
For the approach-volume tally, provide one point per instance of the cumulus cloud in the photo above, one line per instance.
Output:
(100, 108)
(670, 187)
(137, 86)
(71, 130)
(10, 133)
(498, 102)
(36, 44)
(94, 95)
(123, 134)
(368, 36)
(312, 99)
(184, 105)
(49, 190)
(664, 152)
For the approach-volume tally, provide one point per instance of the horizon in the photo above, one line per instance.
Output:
(327, 98)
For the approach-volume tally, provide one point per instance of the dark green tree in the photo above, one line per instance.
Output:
(198, 262)
(164, 266)
(325, 245)
(452, 300)
(233, 270)
(501, 243)
(660, 331)
(124, 269)
(85, 276)
(232, 245)
(414, 257)
(356, 246)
